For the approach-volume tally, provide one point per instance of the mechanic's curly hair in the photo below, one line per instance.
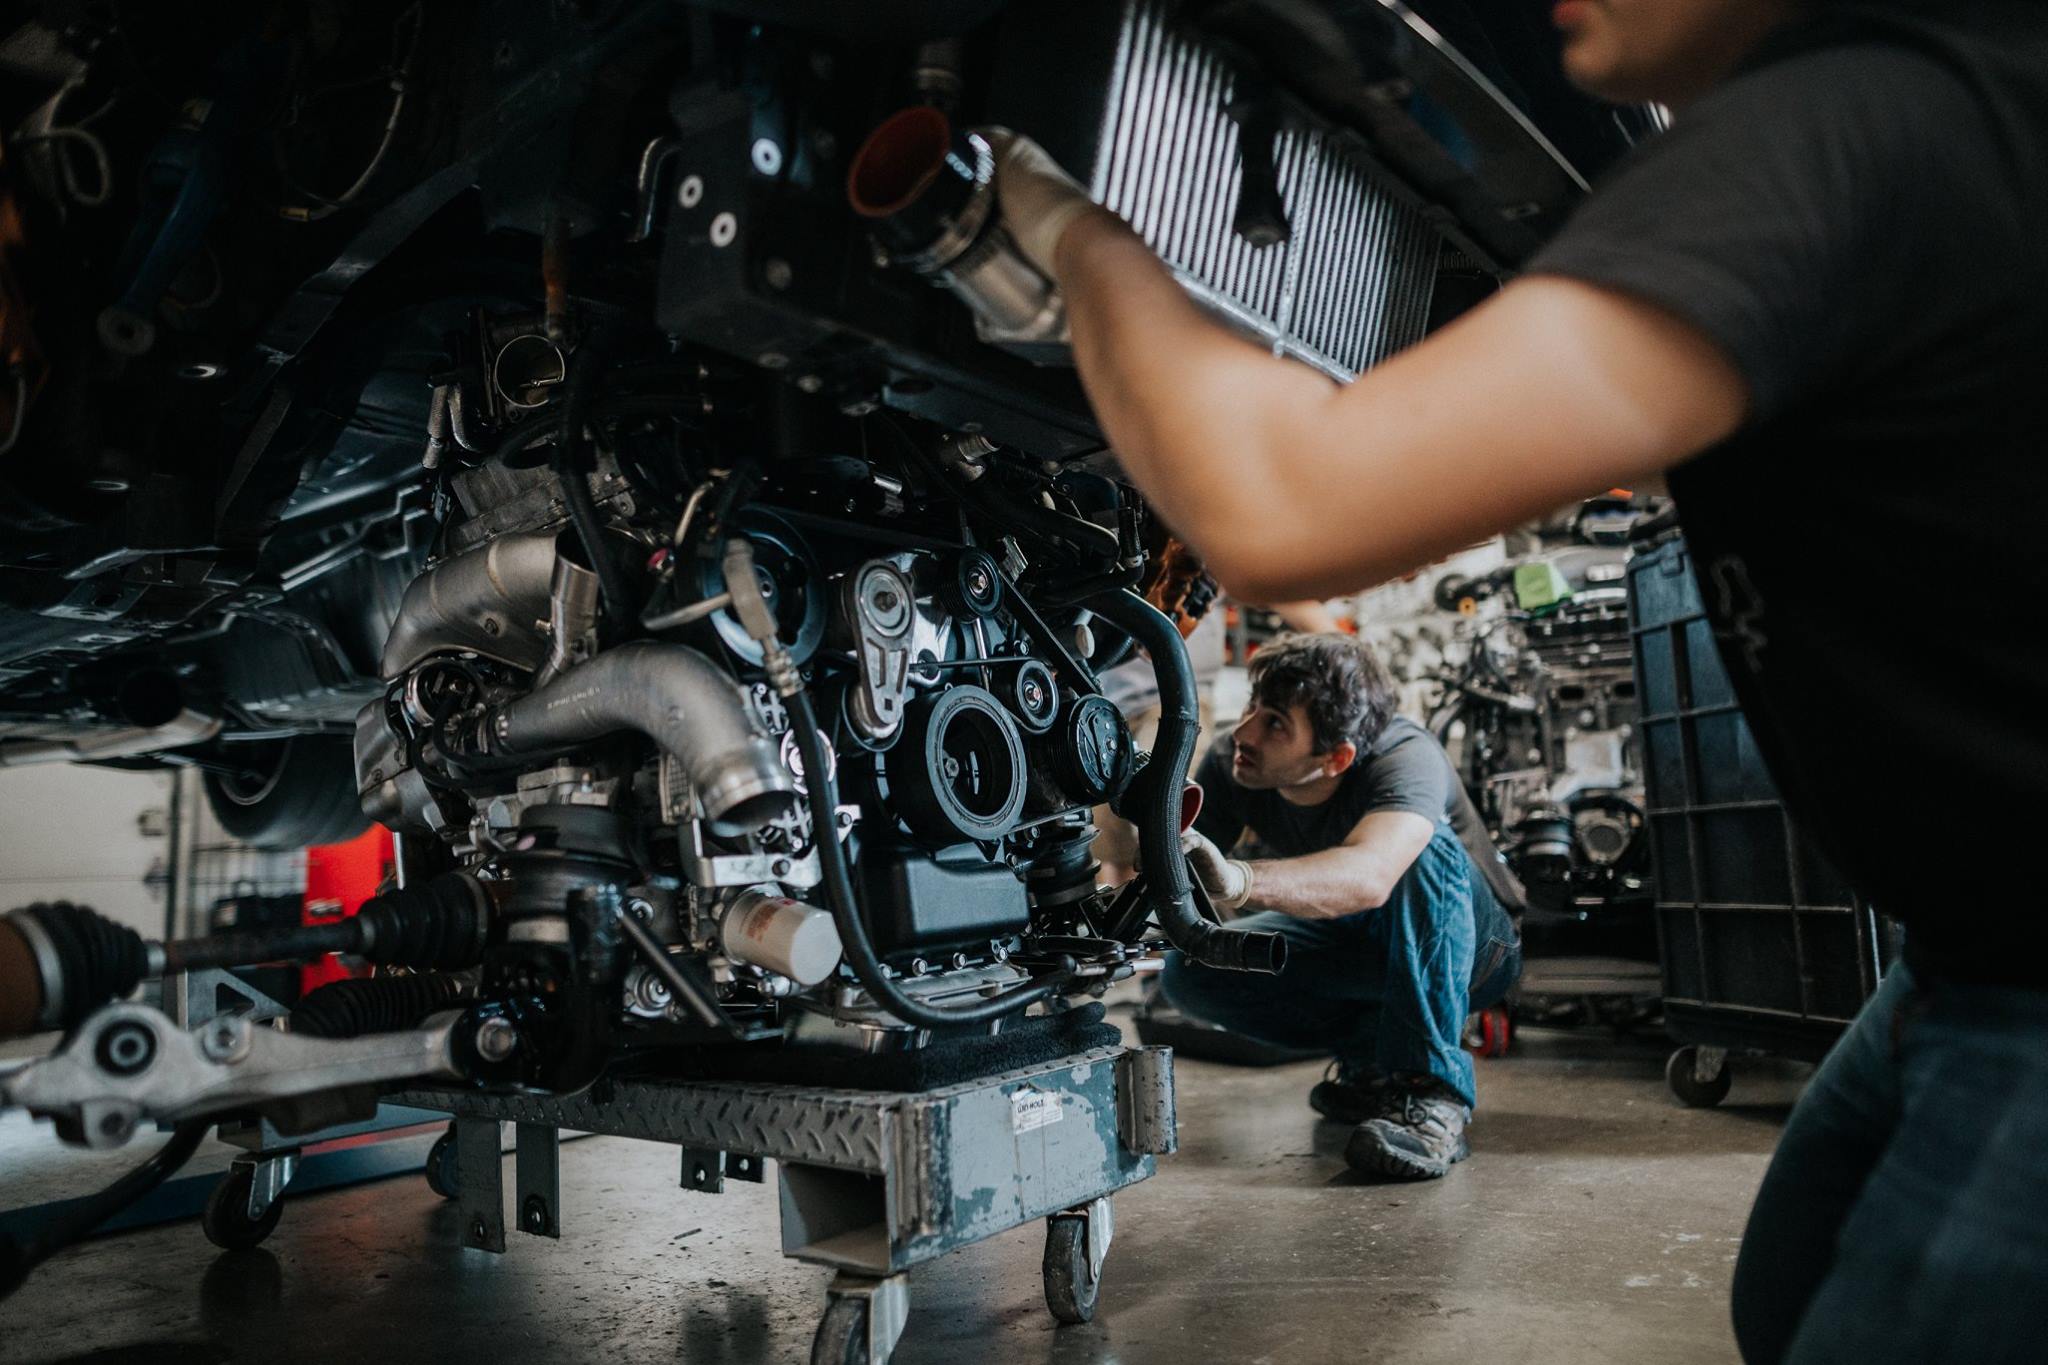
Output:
(1334, 678)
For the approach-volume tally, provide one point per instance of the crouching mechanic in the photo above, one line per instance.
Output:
(1375, 867)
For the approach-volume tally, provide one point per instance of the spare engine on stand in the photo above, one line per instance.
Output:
(1539, 716)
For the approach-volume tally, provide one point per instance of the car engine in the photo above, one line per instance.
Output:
(1538, 708)
(616, 446)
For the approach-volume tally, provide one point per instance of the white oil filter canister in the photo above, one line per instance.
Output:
(781, 935)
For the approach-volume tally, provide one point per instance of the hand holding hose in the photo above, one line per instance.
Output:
(1228, 880)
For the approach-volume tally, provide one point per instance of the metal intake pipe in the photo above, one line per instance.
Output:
(572, 613)
(676, 697)
(489, 600)
(927, 191)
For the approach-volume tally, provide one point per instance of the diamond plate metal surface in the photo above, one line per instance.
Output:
(842, 1129)
(847, 1130)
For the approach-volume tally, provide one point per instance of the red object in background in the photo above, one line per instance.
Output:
(339, 878)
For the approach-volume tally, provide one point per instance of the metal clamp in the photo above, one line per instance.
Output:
(268, 1177)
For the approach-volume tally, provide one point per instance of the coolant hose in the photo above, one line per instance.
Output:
(839, 896)
(1155, 799)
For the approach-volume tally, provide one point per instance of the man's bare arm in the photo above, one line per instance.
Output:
(1308, 616)
(1292, 486)
(1358, 874)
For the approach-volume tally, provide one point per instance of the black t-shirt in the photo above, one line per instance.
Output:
(1405, 770)
(1857, 219)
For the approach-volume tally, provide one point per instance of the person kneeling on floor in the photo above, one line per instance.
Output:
(1375, 866)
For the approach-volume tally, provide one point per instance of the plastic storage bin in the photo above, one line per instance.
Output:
(1763, 948)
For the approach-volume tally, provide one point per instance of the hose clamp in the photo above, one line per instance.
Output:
(47, 962)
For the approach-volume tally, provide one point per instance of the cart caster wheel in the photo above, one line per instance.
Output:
(1496, 1032)
(842, 1337)
(1070, 1284)
(226, 1221)
(1681, 1073)
(443, 1176)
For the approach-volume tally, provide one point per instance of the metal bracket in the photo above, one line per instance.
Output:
(745, 1166)
(195, 997)
(888, 1301)
(268, 1177)
(480, 1182)
(1708, 1063)
(710, 870)
(1144, 1101)
(704, 1170)
(1100, 1217)
(537, 1179)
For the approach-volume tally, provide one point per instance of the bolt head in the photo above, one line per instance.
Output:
(496, 1039)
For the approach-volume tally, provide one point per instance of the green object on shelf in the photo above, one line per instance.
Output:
(1539, 587)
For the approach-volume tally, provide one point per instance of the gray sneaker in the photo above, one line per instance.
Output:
(1418, 1133)
(1349, 1094)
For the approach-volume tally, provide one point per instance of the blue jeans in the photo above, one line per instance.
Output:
(1389, 987)
(1905, 1215)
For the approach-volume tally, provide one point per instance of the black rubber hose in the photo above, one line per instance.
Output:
(19, 1255)
(579, 389)
(1154, 801)
(378, 1004)
(839, 895)
(97, 962)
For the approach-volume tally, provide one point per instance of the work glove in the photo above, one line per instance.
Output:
(1039, 200)
(1227, 880)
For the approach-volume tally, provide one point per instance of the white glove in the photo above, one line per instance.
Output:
(1227, 880)
(1039, 200)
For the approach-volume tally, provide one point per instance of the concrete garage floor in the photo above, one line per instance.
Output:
(1597, 1222)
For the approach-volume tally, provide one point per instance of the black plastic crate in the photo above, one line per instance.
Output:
(1762, 944)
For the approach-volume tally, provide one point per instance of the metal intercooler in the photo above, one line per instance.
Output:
(1351, 283)
(1139, 104)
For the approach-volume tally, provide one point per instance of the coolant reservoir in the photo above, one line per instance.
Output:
(784, 936)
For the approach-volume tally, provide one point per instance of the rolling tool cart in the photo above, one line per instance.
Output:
(872, 1182)
(1764, 949)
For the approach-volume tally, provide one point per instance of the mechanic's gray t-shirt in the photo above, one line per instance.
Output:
(1406, 770)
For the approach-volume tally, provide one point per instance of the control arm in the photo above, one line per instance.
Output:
(128, 1063)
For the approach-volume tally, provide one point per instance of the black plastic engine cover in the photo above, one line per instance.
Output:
(914, 899)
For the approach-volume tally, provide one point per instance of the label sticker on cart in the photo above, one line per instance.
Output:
(1031, 1109)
